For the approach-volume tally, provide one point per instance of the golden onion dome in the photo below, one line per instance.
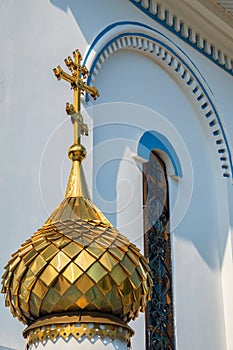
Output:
(76, 261)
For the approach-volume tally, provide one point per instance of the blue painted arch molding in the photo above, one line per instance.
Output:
(153, 140)
(138, 36)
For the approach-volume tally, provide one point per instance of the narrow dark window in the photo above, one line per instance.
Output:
(159, 316)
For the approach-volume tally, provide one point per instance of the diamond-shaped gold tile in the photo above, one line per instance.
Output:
(46, 307)
(72, 249)
(115, 300)
(108, 261)
(106, 284)
(96, 298)
(24, 305)
(40, 289)
(73, 294)
(95, 249)
(84, 283)
(60, 261)
(37, 265)
(84, 260)
(29, 279)
(24, 293)
(82, 302)
(63, 304)
(35, 303)
(53, 296)
(132, 256)
(126, 287)
(127, 265)
(114, 250)
(135, 280)
(49, 252)
(61, 285)
(72, 272)
(96, 272)
(48, 275)
(30, 256)
(118, 274)
(19, 270)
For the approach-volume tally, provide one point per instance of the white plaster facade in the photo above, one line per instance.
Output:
(143, 80)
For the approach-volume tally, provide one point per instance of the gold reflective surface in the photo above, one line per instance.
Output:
(77, 275)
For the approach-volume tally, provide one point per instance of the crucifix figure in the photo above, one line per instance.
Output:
(78, 84)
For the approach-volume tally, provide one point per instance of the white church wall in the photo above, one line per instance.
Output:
(196, 237)
(35, 37)
(221, 87)
(221, 83)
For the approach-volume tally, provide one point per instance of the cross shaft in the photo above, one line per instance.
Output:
(77, 80)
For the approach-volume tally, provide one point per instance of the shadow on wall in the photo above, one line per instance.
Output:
(86, 11)
(83, 11)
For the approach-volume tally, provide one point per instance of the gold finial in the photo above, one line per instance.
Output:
(78, 84)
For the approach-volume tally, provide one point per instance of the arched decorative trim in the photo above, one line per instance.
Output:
(151, 42)
(177, 25)
(153, 140)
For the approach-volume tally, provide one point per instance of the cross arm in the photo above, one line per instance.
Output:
(93, 91)
(60, 74)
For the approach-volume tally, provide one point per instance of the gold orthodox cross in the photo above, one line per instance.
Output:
(78, 84)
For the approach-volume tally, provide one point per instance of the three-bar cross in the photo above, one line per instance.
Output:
(77, 80)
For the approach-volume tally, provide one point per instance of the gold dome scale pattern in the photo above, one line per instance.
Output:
(77, 261)
(75, 265)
